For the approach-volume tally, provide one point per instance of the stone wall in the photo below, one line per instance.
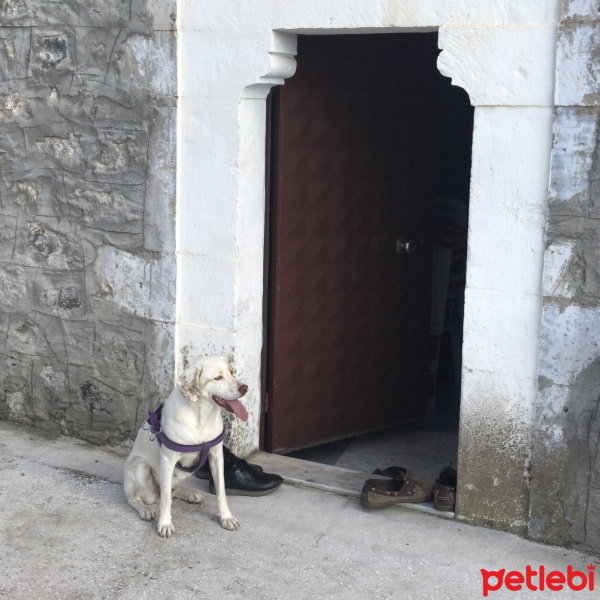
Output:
(565, 483)
(87, 210)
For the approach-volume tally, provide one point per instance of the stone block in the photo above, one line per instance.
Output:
(52, 52)
(592, 537)
(162, 63)
(196, 15)
(79, 342)
(107, 107)
(164, 14)
(60, 293)
(575, 139)
(159, 372)
(75, 415)
(107, 206)
(13, 150)
(94, 239)
(94, 46)
(15, 387)
(103, 13)
(54, 146)
(570, 341)
(128, 69)
(580, 10)
(20, 13)
(31, 102)
(162, 288)
(14, 51)
(33, 192)
(15, 108)
(49, 389)
(48, 242)
(4, 325)
(119, 357)
(96, 13)
(523, 77)
(126, 278)
(122, 155)
(563, 269)
(52, 329)
(8, 232)
(578, 65)
(25, 337)
(16, 287)
(53, 378)
(36, 335)
(159, 211)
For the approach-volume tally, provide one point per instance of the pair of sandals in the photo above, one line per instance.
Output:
(402, 489)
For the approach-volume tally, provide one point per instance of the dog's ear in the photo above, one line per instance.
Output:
(188, 383)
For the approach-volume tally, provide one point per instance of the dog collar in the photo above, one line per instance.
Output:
(154, 421)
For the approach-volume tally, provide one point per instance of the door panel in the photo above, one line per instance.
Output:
(353, 168)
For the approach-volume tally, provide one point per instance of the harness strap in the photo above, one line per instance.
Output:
(154, 421)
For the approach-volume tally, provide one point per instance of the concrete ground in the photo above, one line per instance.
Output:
(66, 532)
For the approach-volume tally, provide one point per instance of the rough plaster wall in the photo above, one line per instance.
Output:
(565, 485)
(87, 237)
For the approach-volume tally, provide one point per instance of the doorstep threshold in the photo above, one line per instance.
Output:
(328, 478)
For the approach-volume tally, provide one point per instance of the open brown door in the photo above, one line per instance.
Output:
(353, 170)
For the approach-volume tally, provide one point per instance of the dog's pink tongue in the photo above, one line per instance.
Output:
(238, 409)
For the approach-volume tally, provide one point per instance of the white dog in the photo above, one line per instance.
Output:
(191, 416)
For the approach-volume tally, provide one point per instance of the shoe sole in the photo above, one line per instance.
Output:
(230, 492)
(444, 507)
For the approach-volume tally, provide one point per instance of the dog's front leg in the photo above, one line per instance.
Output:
(215, 460)
(168, 460)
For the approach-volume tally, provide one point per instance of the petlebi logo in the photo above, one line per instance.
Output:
(538, 580)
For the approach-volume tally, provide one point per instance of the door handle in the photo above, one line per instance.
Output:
(406, 246)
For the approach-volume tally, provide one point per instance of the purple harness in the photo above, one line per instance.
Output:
(154, 422)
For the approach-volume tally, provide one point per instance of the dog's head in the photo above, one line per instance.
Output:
(213, 378)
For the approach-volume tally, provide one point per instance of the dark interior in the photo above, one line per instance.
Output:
(445, 116)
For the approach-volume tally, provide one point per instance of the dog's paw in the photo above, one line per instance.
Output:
(148, 513)
(188, 496)
(230, 523)
(196, 498)
(165, 529)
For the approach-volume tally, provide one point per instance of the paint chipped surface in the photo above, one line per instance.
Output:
(558, 260)
(578, 63)
(570, 341)
(575, 138)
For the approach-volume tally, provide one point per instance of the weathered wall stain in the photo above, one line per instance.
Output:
(565, 485)
(87, 176)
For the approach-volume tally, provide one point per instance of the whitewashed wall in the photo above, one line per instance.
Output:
(503, 54)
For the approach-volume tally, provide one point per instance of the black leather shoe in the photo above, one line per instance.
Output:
(242, 479)
(229, 458)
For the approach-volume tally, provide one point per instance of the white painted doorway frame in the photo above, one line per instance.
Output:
(230, 55)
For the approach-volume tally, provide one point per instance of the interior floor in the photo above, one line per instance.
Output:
(422, 447)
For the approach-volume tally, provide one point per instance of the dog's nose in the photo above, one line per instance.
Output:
(243, 389)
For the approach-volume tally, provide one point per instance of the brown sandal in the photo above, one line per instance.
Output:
(444, 497)
(379, 493)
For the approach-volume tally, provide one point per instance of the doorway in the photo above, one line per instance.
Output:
(369, 151)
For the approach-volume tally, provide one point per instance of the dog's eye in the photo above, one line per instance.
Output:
(219, 377)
